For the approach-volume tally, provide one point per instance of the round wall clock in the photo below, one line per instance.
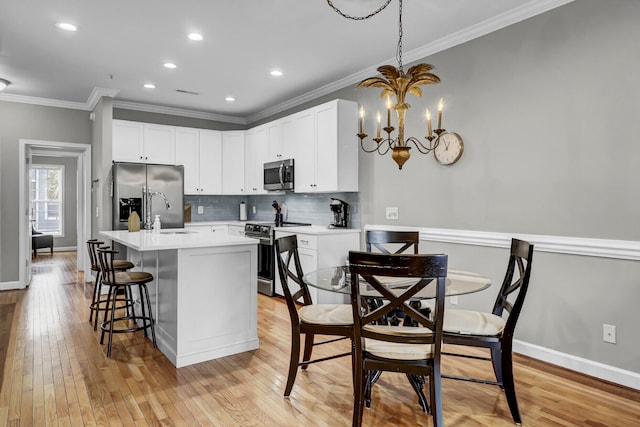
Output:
(449, 149)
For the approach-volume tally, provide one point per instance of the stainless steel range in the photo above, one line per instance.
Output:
(264, 232)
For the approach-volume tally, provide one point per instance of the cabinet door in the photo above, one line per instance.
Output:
(255, 157)
(233, 163)
(210, 162)
(187, 154)
(326, 150)
(275, 142)
(159, 144)
(309, 263)
(127, 141)
(305, 158)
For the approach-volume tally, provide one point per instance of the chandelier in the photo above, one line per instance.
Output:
(398, 83)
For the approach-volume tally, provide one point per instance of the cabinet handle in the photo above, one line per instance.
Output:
(304, 242)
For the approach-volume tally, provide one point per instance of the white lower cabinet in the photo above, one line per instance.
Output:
(318, 251)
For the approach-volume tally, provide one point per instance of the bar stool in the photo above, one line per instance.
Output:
(97, 303)
(124, 280)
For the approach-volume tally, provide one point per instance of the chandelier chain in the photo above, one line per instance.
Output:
(399, 52)
(359, 18)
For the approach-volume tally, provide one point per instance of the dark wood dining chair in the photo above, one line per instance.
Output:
(387, 242)
(306, 317)
(495, 330)
(411, 350)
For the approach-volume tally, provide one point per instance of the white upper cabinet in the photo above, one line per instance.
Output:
(255, 156)
(327, 150)
(143, 143)
(200, 151)
(233, 162)
(280, 141)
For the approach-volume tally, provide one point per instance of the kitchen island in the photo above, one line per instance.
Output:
(204, 293)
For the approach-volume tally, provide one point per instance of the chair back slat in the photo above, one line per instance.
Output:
(106, 256)
(293, 287)
(382, 239)
(92, 247)
(515, 283)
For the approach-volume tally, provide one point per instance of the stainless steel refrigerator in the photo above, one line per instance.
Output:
(149, 190)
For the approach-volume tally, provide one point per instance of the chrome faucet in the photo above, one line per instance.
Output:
(148, 202)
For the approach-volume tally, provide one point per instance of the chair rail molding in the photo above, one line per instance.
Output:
(602, 248)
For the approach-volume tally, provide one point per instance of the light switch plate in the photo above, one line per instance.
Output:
(392, 213)
(200, 210)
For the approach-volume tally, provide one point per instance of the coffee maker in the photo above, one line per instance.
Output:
(340, 210)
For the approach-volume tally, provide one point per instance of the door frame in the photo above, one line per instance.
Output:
(82, 152)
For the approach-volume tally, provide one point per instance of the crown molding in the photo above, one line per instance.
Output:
(127, 105)
(528, 10)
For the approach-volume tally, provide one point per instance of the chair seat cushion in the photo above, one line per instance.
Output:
(122, 264)
(125, 277)
(326, 314)
(392, 350)
(468, 322)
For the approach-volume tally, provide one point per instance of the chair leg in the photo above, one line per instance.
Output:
(113, 316)
(435, 390)
(95, 302)
(497, 362)
(509, 386)
(151, 318)
(293, 361)
(308, 348)
(417, 382)
(108, 304)
(358, 393)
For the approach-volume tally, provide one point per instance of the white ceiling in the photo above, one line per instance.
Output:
(120, 45)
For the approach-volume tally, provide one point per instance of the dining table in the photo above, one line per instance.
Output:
(338, 279)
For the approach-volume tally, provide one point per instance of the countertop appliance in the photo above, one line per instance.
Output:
(340, 210)
(265, 232)
(149, 190)
(279, 175)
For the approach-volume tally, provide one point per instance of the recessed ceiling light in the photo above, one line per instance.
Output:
(66, 26)
(170, 65)
(276, 73)
(195, 37)
(150, 86)
(229, 99)
(4, 83)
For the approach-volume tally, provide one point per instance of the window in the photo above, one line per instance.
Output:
(47, 184)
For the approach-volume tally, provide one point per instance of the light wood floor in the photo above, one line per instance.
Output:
(56, 373)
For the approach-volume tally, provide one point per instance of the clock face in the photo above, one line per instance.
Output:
(449, 149)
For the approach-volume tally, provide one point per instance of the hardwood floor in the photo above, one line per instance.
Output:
(56, 373)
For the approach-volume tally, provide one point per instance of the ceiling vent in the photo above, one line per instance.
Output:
(188, 92)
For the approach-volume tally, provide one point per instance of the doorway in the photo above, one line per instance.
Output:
(82, 154)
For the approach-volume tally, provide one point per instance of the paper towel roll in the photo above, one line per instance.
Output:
(243, 211)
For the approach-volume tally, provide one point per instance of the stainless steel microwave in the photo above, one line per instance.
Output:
(279, 175)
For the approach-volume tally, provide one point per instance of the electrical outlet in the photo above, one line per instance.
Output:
(200, 210)
(454, 300)
(609, 333)
(253, 209)
(392, 213)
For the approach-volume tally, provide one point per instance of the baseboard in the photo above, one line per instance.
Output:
(64, 248)
(7, 286)
(584, 366)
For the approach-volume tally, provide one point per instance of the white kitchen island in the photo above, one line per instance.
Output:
(204, 293)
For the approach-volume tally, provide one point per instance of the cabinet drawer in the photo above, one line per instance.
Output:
(307, 241)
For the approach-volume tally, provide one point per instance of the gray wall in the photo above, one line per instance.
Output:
(25, 121)
(70, 238)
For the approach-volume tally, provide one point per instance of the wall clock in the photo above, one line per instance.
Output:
(449, 149)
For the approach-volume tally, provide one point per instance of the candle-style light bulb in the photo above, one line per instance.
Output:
(388, 111)
(379, 119)
(440, 107)
(361, 117)
(429, 130)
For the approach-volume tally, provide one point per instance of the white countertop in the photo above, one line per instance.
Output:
(178, 238)
(309, 229)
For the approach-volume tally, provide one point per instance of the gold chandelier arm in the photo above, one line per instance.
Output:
(381, 146)
(358, 18)
(424, 149)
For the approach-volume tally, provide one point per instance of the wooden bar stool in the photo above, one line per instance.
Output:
(125, 280)
(97, 302)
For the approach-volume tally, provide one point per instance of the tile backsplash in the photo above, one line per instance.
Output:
(312, 207)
